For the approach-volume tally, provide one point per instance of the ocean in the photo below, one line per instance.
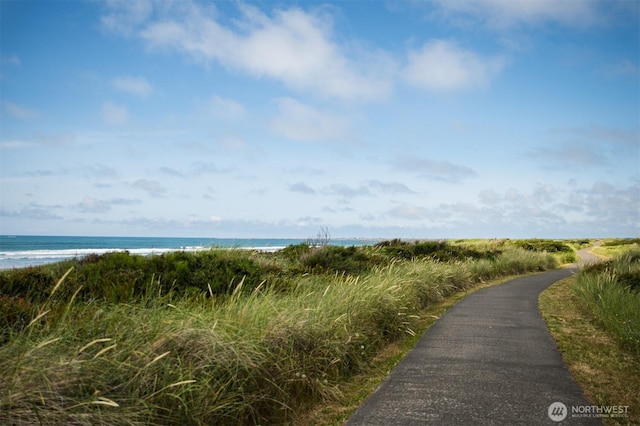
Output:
(20, 251)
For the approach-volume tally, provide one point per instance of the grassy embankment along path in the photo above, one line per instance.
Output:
(222, 336)
(356, 390)
(594, 317)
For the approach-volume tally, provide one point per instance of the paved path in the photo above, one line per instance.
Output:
(587, 257)
(489, 360)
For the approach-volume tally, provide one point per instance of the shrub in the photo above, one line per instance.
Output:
(294, 252)
(580, 243)
(120, 276)
(438, 250)
(544, 245)
(349, 260)
(114, 277)
(518, 261)
(32, 283)
(630, 280)
(218, 271)
(15, 314)
(404, 250)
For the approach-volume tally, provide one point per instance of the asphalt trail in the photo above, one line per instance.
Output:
(489, 360)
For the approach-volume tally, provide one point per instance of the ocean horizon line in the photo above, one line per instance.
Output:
(330, 238)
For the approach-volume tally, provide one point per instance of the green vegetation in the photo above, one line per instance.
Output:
(223, 336)
(621, 241)
(437, 250)
(595, 319)
(611, 290)
(613, 247)
(356, 389)
(561, 248)
(119, 276)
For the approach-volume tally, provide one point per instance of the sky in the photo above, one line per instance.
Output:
(373, 119)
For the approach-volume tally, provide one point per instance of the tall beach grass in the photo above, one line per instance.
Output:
(255, 355)
(611, 290)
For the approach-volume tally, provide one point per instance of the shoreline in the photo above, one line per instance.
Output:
(58, 249)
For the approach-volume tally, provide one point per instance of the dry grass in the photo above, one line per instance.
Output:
(608, 373)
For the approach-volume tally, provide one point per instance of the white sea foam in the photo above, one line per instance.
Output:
(71, 253)
(19, 259)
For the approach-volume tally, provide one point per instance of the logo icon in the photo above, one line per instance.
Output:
(557, 411)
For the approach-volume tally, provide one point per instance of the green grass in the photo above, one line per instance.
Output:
(260, 350)
(611, 291)
(354, 391)
(594, 318)
(616, 247)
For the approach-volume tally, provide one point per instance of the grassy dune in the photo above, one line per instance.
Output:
(115, 342)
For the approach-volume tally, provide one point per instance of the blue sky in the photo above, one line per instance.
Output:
(432, 119)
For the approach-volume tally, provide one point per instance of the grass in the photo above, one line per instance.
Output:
(594, 320)
(354, 391)
(611, 291)
(260, 351)
(615, 247)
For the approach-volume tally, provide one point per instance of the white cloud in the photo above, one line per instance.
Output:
(607, 202)
(302, 122)
(389, 187)
(409, 212)
(60, 139)
(13, 60)
(200, 168)
(609, 135)
(308, 221)
(151, 187)
(589, 146)
(544, 194)
(93, 205)
(19, 111)
(622, 68)
(442, 65)
(135, 85)
(16, 144)
(302, 188)
(347, 192)
(570, 154)
(504, 14)
(171, 172)
(100, 171)
(225, 108)
(31, 212)
(304, 171)
(604, 209)
(291, 46)
(434, 169)
(114, 114)
(489, 196)
(124, 15)
(299, 48)
(233, 143)
(40, 138)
